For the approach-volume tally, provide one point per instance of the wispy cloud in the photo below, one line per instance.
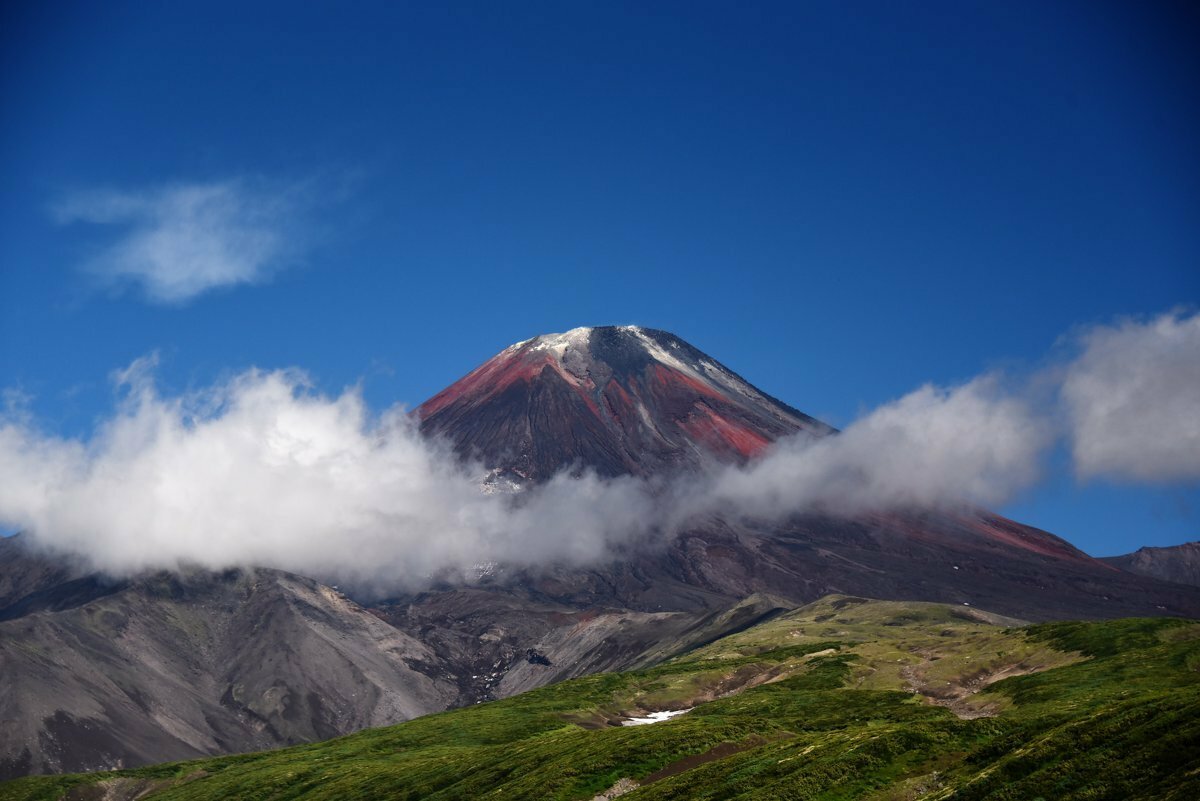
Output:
(178, 241)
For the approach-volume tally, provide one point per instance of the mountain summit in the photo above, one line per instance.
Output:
(616, 399)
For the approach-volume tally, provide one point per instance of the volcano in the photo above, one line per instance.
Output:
(176, 664)
(626, 400)
(615, 400)
(642, 402)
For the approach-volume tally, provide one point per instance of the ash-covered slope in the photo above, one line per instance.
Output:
(101, 674)
(618, 400)
(1178, 563)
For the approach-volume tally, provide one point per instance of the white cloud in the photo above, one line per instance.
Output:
(261, 470)
(179, 241)
(1132, 400)
(972, 444)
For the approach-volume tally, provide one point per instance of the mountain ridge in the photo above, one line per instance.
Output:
(1176, 563)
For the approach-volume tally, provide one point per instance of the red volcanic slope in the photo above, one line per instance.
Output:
(617, 400)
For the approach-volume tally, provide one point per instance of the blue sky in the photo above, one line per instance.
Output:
(840, 201)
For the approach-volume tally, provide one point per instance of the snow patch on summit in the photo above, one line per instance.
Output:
(661, 355)
(559, 343)
(570, 354)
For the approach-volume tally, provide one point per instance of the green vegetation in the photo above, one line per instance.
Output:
(842, 699)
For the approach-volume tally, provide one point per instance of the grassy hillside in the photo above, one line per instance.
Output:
(844, 698)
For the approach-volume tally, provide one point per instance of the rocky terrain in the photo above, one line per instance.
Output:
(101, 674)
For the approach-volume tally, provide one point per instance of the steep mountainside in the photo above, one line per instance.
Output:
(846, 698)
(1178, 563)
(103, 674)
(615, 399)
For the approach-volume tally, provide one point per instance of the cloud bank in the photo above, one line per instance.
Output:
(971, 444)
(179, 241)
(261, 470)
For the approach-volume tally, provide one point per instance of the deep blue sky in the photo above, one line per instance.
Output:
(841, 201)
